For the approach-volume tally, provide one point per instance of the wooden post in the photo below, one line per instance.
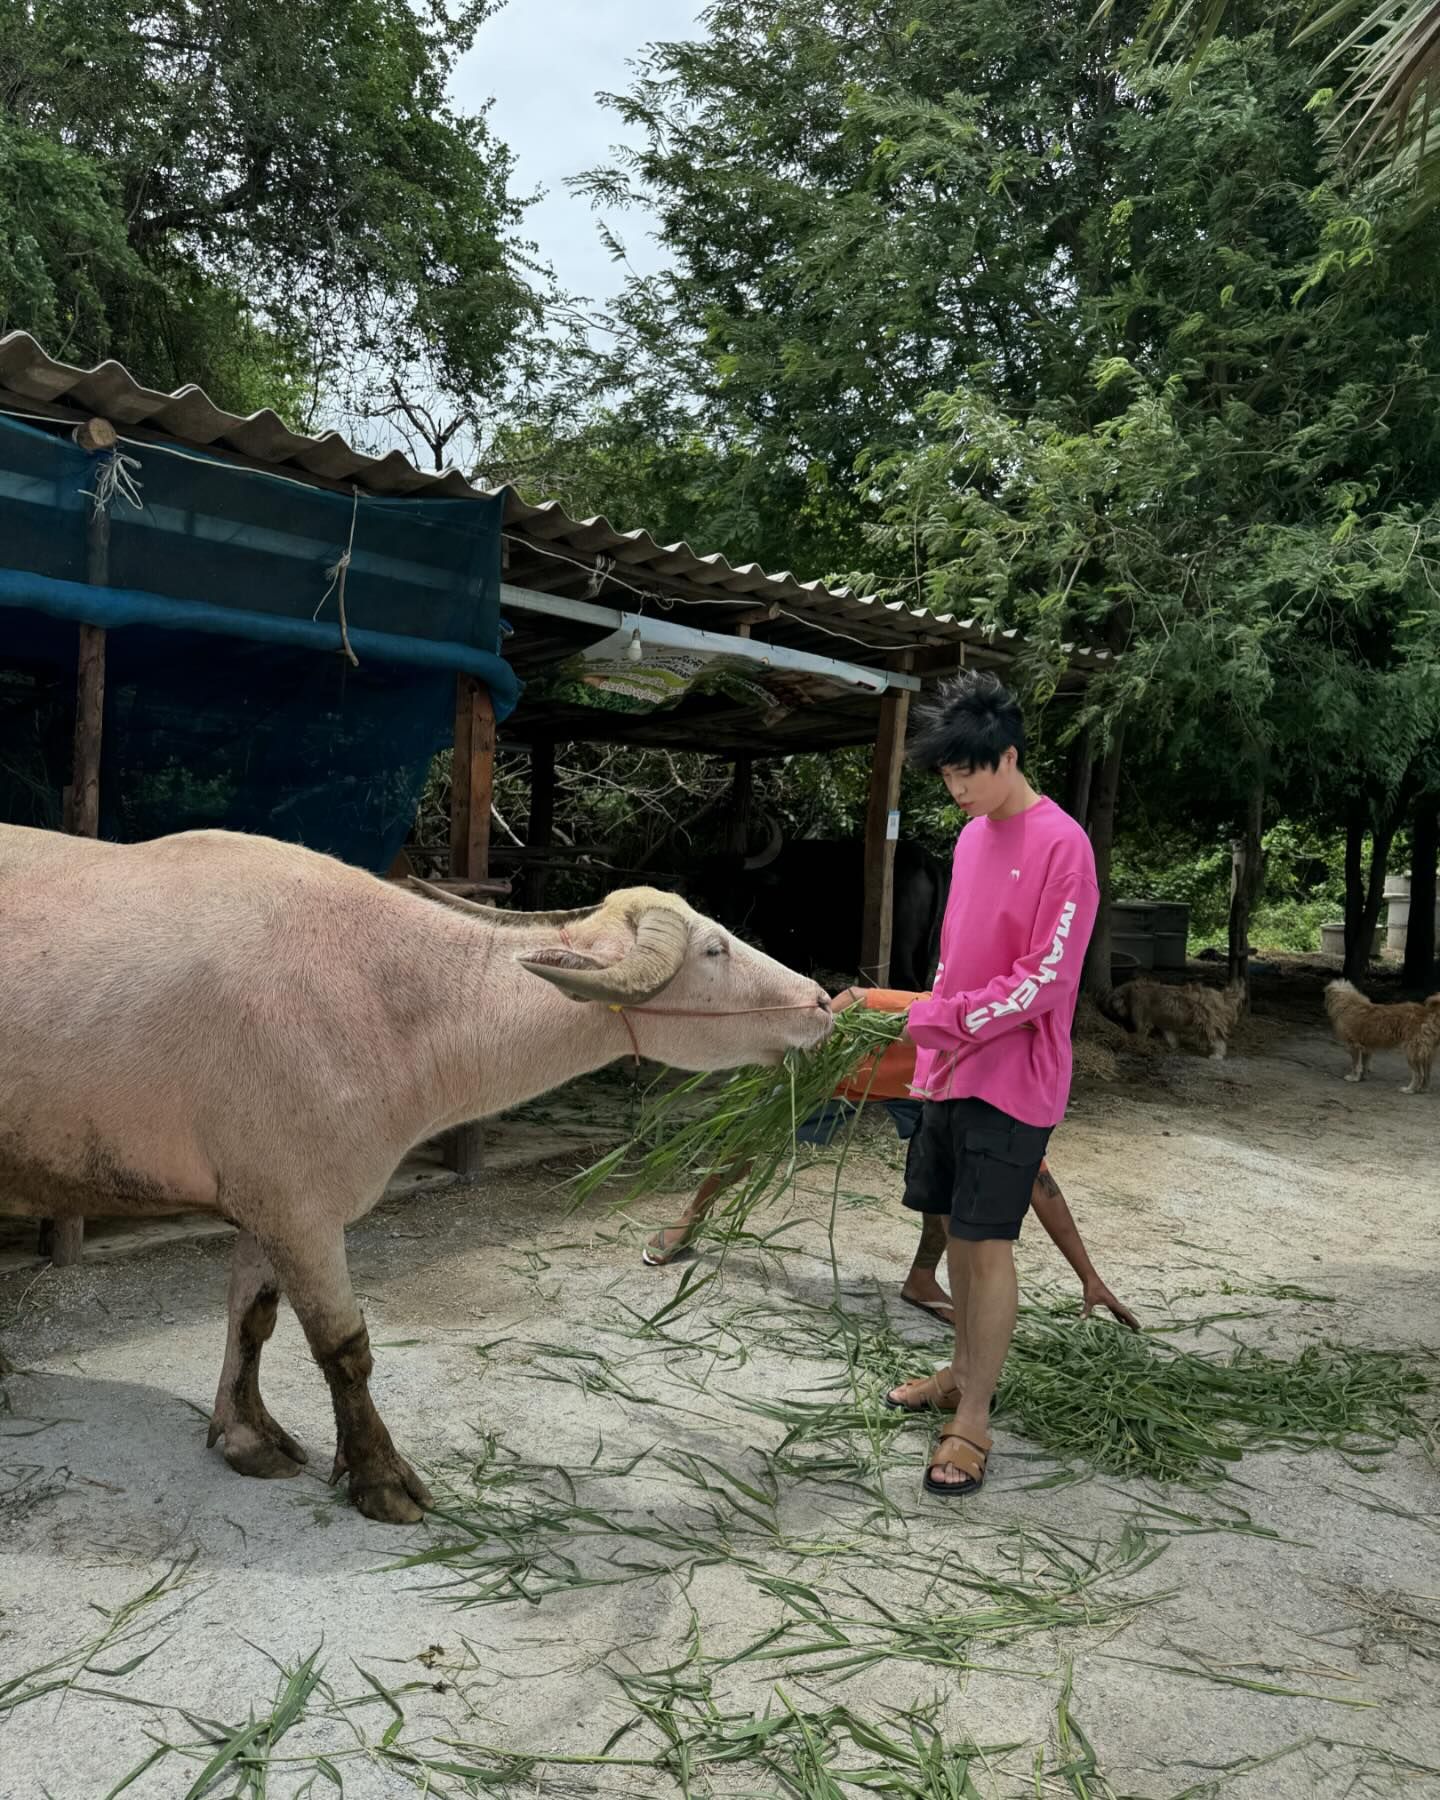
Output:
(1079, 770)
(884, 802)
(737, 820)
(472, 780)
(65, 1238)
(742, 784)
(1357, 819)
(1419, 969)
(540, 830)
(89, 722)
(1103, 800)
(1384, 823)
(472, 783)
(1247, 875)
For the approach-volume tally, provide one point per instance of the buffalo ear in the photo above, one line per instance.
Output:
(555, 957)
(559, 959)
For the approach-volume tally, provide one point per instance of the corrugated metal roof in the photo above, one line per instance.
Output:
(589, 552)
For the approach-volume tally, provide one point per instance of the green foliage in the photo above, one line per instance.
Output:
(62, 238)
(1304, 883)
(1091, 350)
(645, 465)
(234, 191)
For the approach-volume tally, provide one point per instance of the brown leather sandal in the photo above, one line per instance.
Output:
(939, 1392)
(955, 1451)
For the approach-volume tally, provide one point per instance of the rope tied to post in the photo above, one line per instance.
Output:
(336, 573)
(115, 474)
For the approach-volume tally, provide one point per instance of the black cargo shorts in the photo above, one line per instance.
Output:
(976, 1165)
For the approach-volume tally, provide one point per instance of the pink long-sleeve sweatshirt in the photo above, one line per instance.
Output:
(1021, 908)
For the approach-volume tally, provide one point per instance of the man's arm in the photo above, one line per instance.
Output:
(1044, 978)
(1050, 1209)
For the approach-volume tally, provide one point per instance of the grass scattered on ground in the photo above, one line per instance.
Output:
(1095, 1397)
(74, 1671)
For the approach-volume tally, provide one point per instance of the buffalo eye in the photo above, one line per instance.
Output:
(717, 949)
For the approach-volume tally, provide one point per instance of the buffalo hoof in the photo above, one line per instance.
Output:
(388, 1501)
(265, 1457)
(388, 1489)
(263, 1450)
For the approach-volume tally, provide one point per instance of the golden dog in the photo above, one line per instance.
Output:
(1207, 1013)
(1363, 1027)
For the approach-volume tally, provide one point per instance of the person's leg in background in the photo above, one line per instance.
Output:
(671, 1240)
(921, 1286)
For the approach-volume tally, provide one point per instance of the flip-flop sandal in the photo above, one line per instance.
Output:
(972, 1461)
(937, 1309)
(943, 1398)
(657, 1259)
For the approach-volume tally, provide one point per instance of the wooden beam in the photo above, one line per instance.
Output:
(540, 829)
(472, 780)
(882, 822)
(96, 436)
(549, 576)
(938, 659)
(490, 889)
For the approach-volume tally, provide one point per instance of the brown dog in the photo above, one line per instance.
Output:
(1363, 1027)
(1207, 1013)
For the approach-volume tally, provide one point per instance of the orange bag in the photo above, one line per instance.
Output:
(894, 1076)
(889, 1076)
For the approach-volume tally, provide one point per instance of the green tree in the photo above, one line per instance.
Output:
(255, 195)
(1385, 64)
(1090, 349)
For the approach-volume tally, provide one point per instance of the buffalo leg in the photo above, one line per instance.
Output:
(317, 1284)
(254, 1443)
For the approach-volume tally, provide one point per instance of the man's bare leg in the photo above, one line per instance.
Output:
(920, 1392)
(987, 1298)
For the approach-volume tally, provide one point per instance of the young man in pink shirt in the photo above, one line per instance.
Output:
(993, 1043)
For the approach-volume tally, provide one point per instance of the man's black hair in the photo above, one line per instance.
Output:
(972, 722)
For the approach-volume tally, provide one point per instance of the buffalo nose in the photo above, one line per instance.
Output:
(822, 999)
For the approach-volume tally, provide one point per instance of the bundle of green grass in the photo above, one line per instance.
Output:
(694, 1129)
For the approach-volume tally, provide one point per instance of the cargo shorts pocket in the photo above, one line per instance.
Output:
(930, 1169)
(998, 1172)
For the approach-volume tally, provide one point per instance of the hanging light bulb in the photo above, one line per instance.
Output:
(634, 650)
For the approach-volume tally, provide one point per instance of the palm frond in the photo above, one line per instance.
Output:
(1386, 67)
(1391, 80)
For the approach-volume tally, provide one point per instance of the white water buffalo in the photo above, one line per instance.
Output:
(226, 1024)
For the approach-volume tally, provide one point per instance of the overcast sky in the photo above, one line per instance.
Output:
(543, 62)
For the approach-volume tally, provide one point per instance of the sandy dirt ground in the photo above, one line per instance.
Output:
(675, 1551)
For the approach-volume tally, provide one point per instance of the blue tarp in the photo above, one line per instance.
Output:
(227, 701)
(115, 608)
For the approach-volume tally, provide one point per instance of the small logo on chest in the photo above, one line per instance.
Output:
(1014, 874)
